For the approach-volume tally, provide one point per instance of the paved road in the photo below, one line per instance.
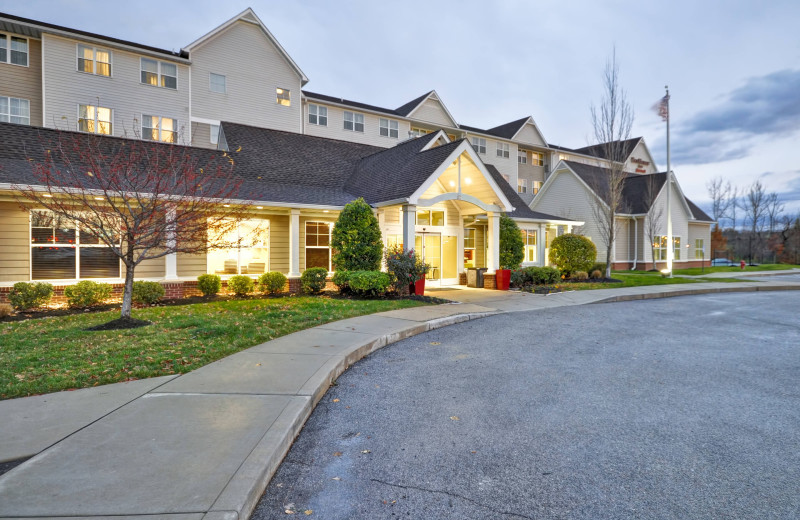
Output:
(684, 407)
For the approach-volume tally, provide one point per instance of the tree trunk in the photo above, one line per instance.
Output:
(127, 293)
(612, 232)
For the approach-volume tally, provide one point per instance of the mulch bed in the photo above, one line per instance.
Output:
(121, 324)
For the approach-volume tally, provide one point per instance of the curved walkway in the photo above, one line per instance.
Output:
(205, 444)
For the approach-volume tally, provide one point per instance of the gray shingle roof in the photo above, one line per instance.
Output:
(698, 213)
(406, 109)
(505, 131)
(521, 210)
(600, 150)
(402, 110)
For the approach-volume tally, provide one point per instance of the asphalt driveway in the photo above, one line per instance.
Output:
(684, 407)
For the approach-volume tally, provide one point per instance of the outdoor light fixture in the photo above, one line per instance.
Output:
(259, 207)
(47, 195)
(467, 180)
(326, 211)
(98, 198)
(226, 205)
(452, 184)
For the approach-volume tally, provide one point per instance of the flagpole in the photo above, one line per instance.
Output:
(670, 245)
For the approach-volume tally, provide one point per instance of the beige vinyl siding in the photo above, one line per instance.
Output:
(371, 134)
(622, 251)
(15, 243)
(253, 68)
(279, 243)
(432, 111)
(123, 92)
(201, 135)
(680, 221)
(453, 216)
(567, 197)
(530, 173)
(702, 231)
(480, 246)
(25, 82)
(503, 165)
(192, 265)
(154, 268)
(529, 135)
(391, 215)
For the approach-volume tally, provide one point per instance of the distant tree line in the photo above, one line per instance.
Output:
(752, 224)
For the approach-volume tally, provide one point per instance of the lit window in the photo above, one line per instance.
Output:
(353, 121)
(535, 187)
(502, 150)
(479, 143)
(522, 186)
(159, 73)
(283, 96)
(522, 157)
(95, 120)
(426, 217)
(217, 83)
(699, 249)
(249, 251)
(318, 245)
(416, 132)
(214, 135)
(529, 241)
(317, 115)
(389, 128)
(16, 53)
(14, 110)
(156, 128)
(660, 247)
(93, 60)
(563, 157)
(537, 159)
(469, 247)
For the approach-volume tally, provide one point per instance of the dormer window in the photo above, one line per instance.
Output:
(389, 128)
(479, 143)
(353, 121)
(13, 50)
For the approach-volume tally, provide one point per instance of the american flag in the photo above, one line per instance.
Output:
(662, 108)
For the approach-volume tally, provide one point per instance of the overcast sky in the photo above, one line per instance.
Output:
(733, 67)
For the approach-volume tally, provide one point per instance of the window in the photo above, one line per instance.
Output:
(217, 83)
(535, 187)
(317, 115)
(522, 157)
(283, 96)
(389, 128)
(479, 143)
(13, 50)
(318, 245)
(430, 217)
(699, 249)
(564, 157)
(522, 186)
(416, 132)
(537, 159)
(95, 120)
(156, 128)
(214, 134)
(61, 250)
(661, 248)
(353, 121)
(159, 73)
(529, 241)
(469, 247)
(250, 251)
(502, 150)
(14, 110)
(93, 60)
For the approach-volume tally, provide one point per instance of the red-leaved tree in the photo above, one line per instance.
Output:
(144, 200)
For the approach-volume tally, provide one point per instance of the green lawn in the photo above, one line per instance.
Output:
(56, 353)
(639, 278)
(724, 269)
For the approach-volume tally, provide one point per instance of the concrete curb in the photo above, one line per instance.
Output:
(692, 292)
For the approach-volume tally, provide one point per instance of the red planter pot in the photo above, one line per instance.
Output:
(502, 279)
(417, 287)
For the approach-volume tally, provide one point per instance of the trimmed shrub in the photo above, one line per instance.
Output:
(312, 280)
(272, 282)
(404, 268)
(147, 292)
(571, 253)
(597, 274)
(369, 283)
(356, 243)
(87, 293)
(5, 310)
(520, 278)
(29, 295)
(209, 284)
(341, 279)
(512, 249)
(598, 266)
(241, 285)
(579, 276)
(534, 275)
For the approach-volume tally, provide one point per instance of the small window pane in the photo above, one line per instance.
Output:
(99, 262)
(3, 48)
(214, 134)
(318, 257)
(103, 62)
(149, 71)
(85, 59)
(323, 116)
(218, 83)
(53, 263)
(19, 51)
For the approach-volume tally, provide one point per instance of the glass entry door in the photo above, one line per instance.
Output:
(441, 253)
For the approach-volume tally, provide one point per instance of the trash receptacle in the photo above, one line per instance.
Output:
(475, 276)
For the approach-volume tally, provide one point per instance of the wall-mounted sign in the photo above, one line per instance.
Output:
(640, 162)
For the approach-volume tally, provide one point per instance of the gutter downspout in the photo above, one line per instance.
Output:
(635, 243)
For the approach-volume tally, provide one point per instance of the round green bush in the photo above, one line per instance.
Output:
(29, 295)
(87, 293)
(312, 280)
(272, 282)
(369, 283)
(579, 276)
(356, 242)
(341, 279)
(209, 284)
(241, 285)
(571, 253)
(512, 249)
(147, 293)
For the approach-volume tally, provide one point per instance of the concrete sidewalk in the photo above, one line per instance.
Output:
(205, 444)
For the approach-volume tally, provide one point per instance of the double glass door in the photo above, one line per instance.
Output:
(441, 253)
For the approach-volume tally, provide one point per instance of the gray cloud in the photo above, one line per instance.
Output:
(702, 148)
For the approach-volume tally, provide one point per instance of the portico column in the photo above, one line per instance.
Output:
(171, 260)
(294, 243)
(493, 229)
(460, 245)
(409, 224)
(540, 245)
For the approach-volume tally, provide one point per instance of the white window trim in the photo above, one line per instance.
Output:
(210, 83)
(354, 114)
(479, 144)
(213, 137)
(444, 217)
(503, 150)
(675, 250)
(159, 74)
(8, 49)
(522, 157)
(699, 250)
(328, 247)
(537, 158)
(389, 128)
(266, 224)
(96, 107)
(278, 100)
(523, 184)
(536, 186)
(317, 115)
(94, 60)
(160, 119)
(9, 98)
